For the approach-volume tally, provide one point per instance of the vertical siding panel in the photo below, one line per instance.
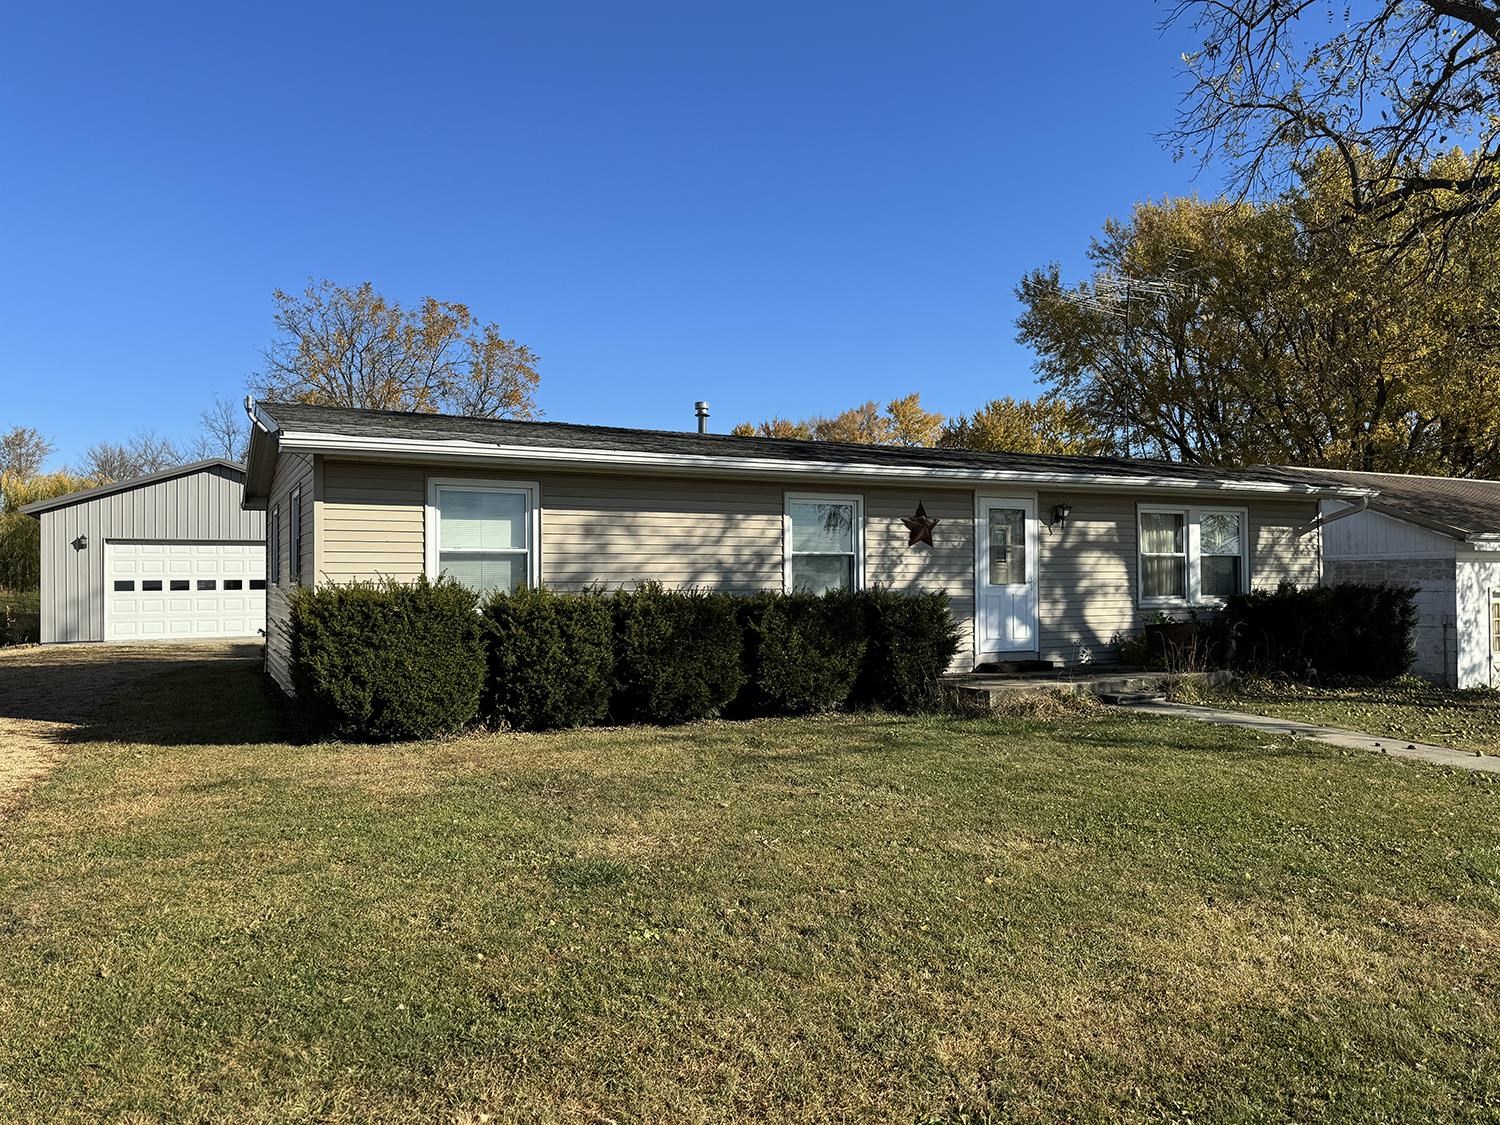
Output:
(201, 506)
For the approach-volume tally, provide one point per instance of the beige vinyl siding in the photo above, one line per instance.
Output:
(293, 470)
(1087, 572)
(372, 521)
(1085, 575)
(947, 565)
(596, 530)
(1277, 551)
(616, 530)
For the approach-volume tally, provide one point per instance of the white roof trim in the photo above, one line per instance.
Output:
(310, 441)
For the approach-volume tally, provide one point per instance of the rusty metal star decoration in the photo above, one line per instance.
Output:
(920, 526)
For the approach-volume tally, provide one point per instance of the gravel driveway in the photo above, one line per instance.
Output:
(46, 691)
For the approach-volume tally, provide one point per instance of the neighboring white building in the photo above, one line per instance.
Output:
(1442, 536)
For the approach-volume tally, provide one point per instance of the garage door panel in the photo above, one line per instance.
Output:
(201, 601)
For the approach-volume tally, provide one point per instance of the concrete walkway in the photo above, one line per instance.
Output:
(1334, 736)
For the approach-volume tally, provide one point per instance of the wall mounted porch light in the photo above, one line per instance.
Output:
(80, 543)
(1060, 514)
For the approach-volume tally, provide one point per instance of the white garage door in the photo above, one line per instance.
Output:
(164, 590)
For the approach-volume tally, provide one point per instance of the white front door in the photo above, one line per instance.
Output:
(1006, 583)
(157, 591)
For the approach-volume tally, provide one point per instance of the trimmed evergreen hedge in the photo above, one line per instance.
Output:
(677, 654)
(551, 659)
(803, 652)
(386, 661)
(1348, 629)
(912, 642)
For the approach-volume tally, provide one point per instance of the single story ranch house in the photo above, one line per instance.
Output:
(1042, 557)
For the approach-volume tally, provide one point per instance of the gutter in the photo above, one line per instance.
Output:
(1342, 514)
(307, 441)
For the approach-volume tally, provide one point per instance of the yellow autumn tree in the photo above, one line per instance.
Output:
(902, 421)
(20, 534)
(1011, 425)
(342, 346)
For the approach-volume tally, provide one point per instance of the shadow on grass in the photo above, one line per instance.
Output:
(214, 703)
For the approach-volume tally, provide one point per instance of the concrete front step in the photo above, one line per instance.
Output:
(981, 692)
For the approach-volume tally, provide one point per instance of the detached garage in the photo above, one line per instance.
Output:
(169, 556)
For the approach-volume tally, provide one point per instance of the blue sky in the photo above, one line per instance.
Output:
(782, 208)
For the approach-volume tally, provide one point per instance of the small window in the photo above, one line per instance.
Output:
(151, 586)
(124, 587)
(294, 537)
(234, 584)
(484, 535)
(824, 540)
(1163, 555)
(1221, 548)
(1193, 556)
(180, 584)
(207, 584)
(257, 583)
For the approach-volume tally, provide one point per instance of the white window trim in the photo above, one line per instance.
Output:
(1192, 515)
(789, 499)
(533, 492)
(294, 537)
(273, 548)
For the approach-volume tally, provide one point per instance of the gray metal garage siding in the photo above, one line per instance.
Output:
(196, 503)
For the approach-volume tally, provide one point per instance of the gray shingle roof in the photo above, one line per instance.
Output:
(377, 424)
(1462, 508)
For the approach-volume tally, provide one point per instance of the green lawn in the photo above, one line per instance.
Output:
(1410, 709)
(862, 919)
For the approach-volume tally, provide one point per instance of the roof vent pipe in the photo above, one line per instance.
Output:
(701, 409)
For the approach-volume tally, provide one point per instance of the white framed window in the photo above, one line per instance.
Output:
(1191, 555)
(273, 546)
(484, 533)
(823, 542)
(294, 537)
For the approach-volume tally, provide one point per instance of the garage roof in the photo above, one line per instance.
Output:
(84, 494)
(1461, 508)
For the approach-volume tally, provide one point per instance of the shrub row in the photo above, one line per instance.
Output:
(397, 661)
(1347, 629)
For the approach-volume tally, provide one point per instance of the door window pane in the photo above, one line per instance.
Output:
(1007, 546)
